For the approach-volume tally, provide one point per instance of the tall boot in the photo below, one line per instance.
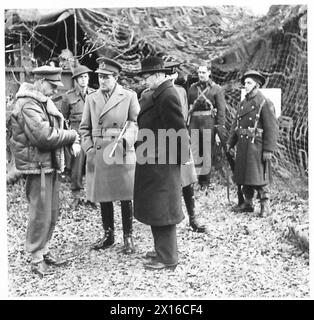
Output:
(188, 195)
(127, 222)
(108, 225)
(265, 208)
(240, 195)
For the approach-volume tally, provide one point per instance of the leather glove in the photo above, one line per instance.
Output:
(267, 155)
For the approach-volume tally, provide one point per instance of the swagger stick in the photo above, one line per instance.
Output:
(118, 139)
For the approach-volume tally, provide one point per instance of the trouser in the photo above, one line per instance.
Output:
(262, 192)
(107, 216)
(165, 241)
(77, 169)
(43, 213)
(202, 154)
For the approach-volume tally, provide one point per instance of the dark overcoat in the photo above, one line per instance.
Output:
(157, 188)
(249, 166)
(109, 179)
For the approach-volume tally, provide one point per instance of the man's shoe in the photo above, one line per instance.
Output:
(244, 207)
(52, 260)
(105, 242)
(41, 269)
(265, 209)
(90, 204)
(75, 203)
(156, 265)
(151, 255)
(128, 245)
(196, 226)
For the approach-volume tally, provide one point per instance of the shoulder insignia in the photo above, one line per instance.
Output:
(91, 91)
(70, 91)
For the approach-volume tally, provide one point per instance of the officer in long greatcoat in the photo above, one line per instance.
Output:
(255, 136)
(109, 131)
(157, 189)
(72, 109)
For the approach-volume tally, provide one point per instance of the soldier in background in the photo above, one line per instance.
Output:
(188, 172)
(206, 111)
(72, 109)
(255, 134)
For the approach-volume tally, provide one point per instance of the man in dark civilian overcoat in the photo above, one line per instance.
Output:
(255, 133)
(157, 186)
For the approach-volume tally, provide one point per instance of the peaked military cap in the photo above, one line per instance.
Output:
(256, 76)
(173, 66)
(108, 66)
(80, 69)
(49, 73)
(153, 65)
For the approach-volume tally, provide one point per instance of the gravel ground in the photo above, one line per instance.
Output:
(241, 255)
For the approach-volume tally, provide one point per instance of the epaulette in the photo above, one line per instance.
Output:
(91, 90)
(70, 91)
(145, 91)
(128, 89)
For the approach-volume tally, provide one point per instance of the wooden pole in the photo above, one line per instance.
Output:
(75, 34)
(22, 76)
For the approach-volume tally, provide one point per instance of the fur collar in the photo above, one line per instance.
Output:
(28, 90)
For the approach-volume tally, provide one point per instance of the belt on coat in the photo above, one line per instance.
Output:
(202, 113)
(250, 132)
(106, 132)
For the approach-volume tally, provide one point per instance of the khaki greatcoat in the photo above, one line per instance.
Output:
(101, 124)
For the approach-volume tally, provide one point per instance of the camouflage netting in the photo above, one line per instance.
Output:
(230, 37)
(234, 42)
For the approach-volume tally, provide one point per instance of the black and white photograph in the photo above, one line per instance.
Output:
(155, 151)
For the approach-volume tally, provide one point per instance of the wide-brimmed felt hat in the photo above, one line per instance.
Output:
(80, 69)
(49, 73)
(108, 66)
(256, 76)
(153, 65)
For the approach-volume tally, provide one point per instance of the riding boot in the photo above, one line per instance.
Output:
(240, 195)
(108, 225)
(188, 195)
(265, 208)
(127, 220)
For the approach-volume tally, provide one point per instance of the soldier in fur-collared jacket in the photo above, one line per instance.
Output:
(255, 133)
(38, 138)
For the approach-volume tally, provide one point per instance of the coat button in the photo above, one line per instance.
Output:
(98, 147)
(100, 122)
